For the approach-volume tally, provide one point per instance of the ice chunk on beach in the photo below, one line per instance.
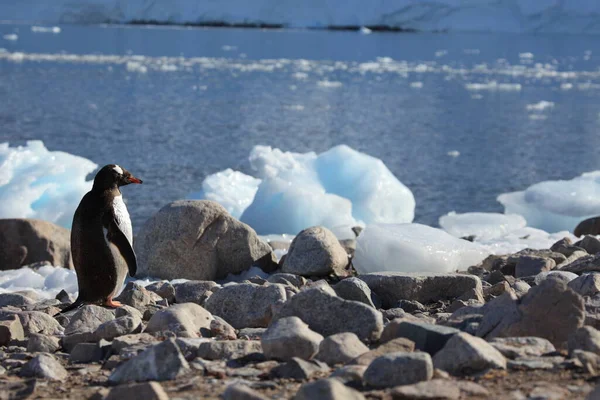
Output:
(45, 281)
(413, 248)
(483, 226)
(556, 205)
(523, 238)
(338, 189)
(42, 184)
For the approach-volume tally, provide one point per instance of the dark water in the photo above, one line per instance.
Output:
(187, 117)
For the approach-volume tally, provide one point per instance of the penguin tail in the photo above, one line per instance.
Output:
(73, 306)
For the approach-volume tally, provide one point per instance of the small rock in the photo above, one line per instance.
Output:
(70, 341)
(246, 305)
(163, 289)
(39, 343)
(352, 374)
(533, 265)
(220, 329)
(586, 284)
(585, 338)
(185, 320)
(128, 311)
(589, 243)
(340, 348)
(535, 363)
(327, 389)
(436, 389)
(228, 349)
(355, 289)
(287, 279)
(64, 297)
(160, 362)
(560, 275)
(136, 296)
(393, 346)
(138, 391)
(88, 318)
(11, 329)
(15, 300)
(239, 391)
(122, 342)
(44, 366)
(589, 263)
(251, 333)
(86, 353)
(194, 291)
(288, 338)
(399, 368)
(299, 369)
(315, 251)
(426, 337)
(118, 327)
(514, 347)
(466, 354)
(411, 306)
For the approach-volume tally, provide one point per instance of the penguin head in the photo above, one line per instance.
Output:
(112, 175)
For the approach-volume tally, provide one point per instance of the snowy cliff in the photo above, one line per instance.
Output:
(580, 16)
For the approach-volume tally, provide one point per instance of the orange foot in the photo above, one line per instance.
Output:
(112, 303)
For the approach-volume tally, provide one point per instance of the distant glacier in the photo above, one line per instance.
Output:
(544, 16)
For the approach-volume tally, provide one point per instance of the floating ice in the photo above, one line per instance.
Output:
(541, 106)
(484, 226)
(338, 189)
(11, 36)
(365, 31)
(42, 184)
(453, 153)
(413, 248)
(329, 84)
(416, 85)
(522, 238)
(556, 205)
(45, 281)
(494, 86)
(45, 29)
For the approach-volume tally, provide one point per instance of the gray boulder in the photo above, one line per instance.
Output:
(290, 337)
(137, 296)
(589, 243)
(15, 299)
(586, 284)
(429, 338)
(585, 338)
(465, 354)
(438, 389)
(533, 265)
(163, 289)
(39, 322)
(198, 239)
(515, 347)
(88, 318)
(145, 391)
(299, 369)
(246, 305)
(327, 389)
(400, 368)
(341, 348)
(328, 314)
(44, 366)
(39, 343)
(11, 329)
(194, 291)
(393, 346)
(185, 320)
(315, 251)
(239, 391)
(227, 349)
(391, 287)
(118, 327)
(357, 290)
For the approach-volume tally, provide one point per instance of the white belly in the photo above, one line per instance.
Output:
(122, 218)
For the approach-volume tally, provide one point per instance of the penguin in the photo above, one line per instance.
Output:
(102, 239)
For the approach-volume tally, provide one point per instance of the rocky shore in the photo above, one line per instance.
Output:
(517, 326)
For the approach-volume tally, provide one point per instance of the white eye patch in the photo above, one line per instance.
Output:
(118, 170)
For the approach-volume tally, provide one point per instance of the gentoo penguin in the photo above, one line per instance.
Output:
(102, 239)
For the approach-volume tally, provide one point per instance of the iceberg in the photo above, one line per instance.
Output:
(484, 226)
(556, 205)
(338, 189)
(42, 184)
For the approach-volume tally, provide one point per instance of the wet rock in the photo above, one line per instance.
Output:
(299, 369)
(39, 343)
(119, 327)
(138, 391)
(239, 391)
(227, 349)
(246, 305)
(194, 291)
(586, 284)
(391, 287)
(164, 290)
(185, 320)
(340, 348)
(585, 338)
(533, 265)
(315, 251)
(11, 329)
(88, 318)
(137, 296)
(399, 368)
(206, 241)
(355, 289)
(328, 314)
(515, 347)
(436, 389)
(160, 362)
(327, 389)
(393, 346)
(28, 241)
(288, 338)
(466, 354)
(426, 337)
(44, 366)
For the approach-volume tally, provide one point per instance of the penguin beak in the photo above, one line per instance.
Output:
(133, 179)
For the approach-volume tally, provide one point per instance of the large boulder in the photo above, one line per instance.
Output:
(590, 226)
(198, 239)
(28, 241)
(185, 320)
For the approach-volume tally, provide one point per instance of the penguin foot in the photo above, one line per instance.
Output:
(112, 303)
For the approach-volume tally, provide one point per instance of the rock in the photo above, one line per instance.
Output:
(185, 320)
(355, 289)
(533, 265)
(535, 363)
(328, 314)
(87, 353)
(350, 374)
(399, 368)
(163, 289)
(391, 287)
(340, 348)
(246, 305)
(590, 244)
(436, 389)
(138, 391)
(44, 366)
(594, 394)
(64, 297)
(128, 311)
(122, 342)
(586, 284)
(14, 299)
(315, 251)
(119, 327)
(287, 279)
(136, 296)
(160, 362)
(560, 275)
(466, 354)
(28, 241)
(38, 322)
(251, 333)
(426, 337)
(585, 338)
(11, 329)
(393, 346)
(589, 263)
(228, 349)
(39, 343)
(327, 389)
(220, 329)
(411, 306)
(514, 347)
(70, 341)
(206, 242)
(88, 318)
(564, 246)
(299, 369)
(194, 291)
(239, 391)
(544, 253)
(289, 337)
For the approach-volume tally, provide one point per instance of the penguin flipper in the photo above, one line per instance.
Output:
(76, 304)
(117, 237)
